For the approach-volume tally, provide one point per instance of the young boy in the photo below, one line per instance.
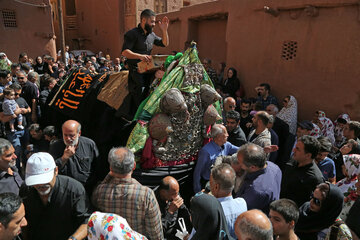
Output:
(9, 106)
(283, 215)
(326, 164)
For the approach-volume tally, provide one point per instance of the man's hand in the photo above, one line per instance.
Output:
(271, 148)
(24, 110)
(249, 125)
(68, 153)
(18, 111)
(145, 58)
(164, 24)
(175, 204)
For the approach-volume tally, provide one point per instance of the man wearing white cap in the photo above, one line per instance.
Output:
(56, 206)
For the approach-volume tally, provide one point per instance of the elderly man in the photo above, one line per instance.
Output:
(253, 224)
(75, 155)
(302, 176)
(236, 134)
(116, 63)
(172, 207)
(229, 105)
(219, 146)
(262, 181)
(131, 200)
(260, 135)
(222, 180)
(56, 206)
(10, 180)
(12, 217)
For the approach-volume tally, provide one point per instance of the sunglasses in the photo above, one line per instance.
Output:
(21, 77)
(285, 101)
(316, 200)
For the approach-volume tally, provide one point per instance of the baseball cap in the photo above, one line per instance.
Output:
(306, 125)
(39, 169)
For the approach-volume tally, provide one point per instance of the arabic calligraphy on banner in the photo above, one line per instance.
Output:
(73, 92)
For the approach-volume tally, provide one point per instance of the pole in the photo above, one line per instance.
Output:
(62, 34)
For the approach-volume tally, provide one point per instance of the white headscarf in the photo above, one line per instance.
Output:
(289, 114)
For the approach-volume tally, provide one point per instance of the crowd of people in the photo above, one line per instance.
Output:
(262, 175)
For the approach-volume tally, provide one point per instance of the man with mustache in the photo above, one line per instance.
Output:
(75, 155)
(138, 43)
(56, 206)
(10, 180)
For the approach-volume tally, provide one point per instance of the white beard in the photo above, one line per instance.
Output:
(46, 192)
(74, 143)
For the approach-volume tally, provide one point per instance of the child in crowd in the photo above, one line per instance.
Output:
(9, 106)
(284, 215)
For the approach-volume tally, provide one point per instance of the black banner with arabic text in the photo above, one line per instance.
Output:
(76, 90)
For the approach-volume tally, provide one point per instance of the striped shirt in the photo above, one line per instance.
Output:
(132, 201)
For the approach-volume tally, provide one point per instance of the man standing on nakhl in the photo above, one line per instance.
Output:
(138, 43)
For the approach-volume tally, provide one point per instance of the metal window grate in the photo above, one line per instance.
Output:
(71, 22)
(289, 50)
(9, 18)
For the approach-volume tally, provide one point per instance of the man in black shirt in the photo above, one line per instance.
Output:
(75, 155)
(172, 207)
(38, 142)
(236, 134)
(29, 92)
(18, 139)
(56, 206)
(301, 177)
(10, 180)
(245, 117)
(23, 105)
(138, 43)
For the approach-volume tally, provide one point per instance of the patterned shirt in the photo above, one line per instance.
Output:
(269, 100)
(132, 201)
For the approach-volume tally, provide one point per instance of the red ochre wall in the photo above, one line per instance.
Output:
(323, 75)
(34, 32)
(99, 26)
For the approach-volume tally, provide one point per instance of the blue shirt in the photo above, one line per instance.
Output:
(232, 209)
(327, 168)
(206, 158)
(262, 187)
